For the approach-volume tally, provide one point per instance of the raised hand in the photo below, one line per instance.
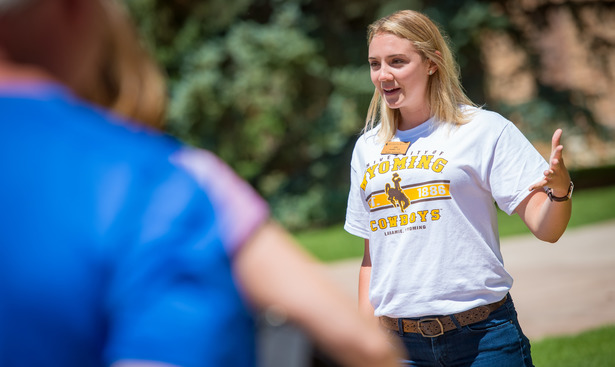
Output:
(557, 176)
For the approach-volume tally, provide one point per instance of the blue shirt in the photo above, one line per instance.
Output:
(112, 243)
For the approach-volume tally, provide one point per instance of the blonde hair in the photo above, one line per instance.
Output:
(445, 93)
(130, 82)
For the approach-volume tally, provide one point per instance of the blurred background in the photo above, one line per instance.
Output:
(279, 88)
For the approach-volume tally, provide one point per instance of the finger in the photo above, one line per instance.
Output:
(556, 154)
(557, 161)
(539, 185)
(555, 140)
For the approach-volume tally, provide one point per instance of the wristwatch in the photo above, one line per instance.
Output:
(561, 198)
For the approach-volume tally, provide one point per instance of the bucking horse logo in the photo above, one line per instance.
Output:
(395, 195)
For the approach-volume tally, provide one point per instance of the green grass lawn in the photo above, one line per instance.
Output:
(594, 348)
(333, 243)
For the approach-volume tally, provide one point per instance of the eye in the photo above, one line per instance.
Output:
(374, 64)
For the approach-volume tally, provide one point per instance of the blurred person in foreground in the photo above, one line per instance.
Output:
(424, 179)
(122, 247)
(132, 85)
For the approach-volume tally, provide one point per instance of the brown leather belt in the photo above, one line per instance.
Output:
(436, 326)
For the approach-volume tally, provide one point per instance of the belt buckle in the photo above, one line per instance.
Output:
(427, 319)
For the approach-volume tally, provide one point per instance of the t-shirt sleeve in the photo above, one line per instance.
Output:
(516, 166)
(239, 209)
(171, 293)
(357, 211)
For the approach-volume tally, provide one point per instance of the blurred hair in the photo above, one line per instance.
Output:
(12, 5)
(131, 83)
(444, 90)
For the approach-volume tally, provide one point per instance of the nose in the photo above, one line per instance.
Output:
(385, 74)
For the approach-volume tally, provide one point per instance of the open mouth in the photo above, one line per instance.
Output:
(389, 91)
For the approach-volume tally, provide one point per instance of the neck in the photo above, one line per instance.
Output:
(412, 118)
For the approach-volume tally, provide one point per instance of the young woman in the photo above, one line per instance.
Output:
(424, 178)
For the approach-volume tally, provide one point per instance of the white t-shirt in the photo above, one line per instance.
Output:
(430, 216)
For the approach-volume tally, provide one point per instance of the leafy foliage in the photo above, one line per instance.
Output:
(253, 82)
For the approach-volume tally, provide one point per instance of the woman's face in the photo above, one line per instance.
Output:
(399, 73)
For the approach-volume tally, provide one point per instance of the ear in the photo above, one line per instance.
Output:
(433, 67)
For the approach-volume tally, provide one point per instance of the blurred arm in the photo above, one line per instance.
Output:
(275, 272)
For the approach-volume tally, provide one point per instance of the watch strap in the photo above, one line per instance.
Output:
(560, 198)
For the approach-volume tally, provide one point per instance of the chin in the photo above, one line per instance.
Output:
(393, 106)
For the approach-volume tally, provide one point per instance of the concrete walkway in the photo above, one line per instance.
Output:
(561, 288)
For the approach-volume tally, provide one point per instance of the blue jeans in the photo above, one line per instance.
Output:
(496, 341)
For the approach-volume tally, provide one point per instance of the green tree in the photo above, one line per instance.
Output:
(252, 83)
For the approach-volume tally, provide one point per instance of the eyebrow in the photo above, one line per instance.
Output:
(389, 56)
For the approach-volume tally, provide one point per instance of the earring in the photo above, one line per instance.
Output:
(430, 72)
